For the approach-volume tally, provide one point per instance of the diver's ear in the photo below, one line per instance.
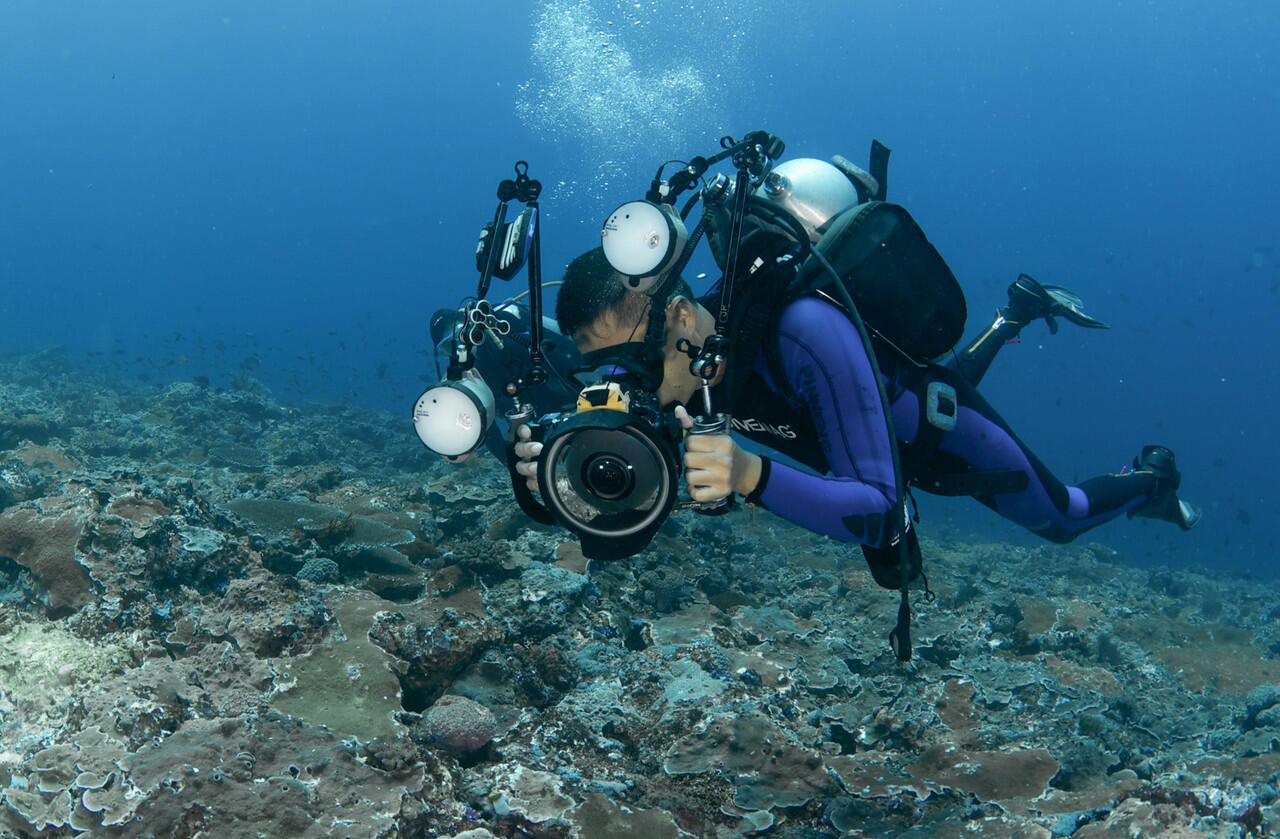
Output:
(680, 312)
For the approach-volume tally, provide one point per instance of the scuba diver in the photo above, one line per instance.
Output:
(810, 393)
(828, 341)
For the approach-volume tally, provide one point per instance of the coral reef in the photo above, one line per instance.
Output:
(227, 617)
(41, 536)
(458, 724)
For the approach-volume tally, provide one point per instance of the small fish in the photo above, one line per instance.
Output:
(1258, 259)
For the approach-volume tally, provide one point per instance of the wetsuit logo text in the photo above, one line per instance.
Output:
(750, 426)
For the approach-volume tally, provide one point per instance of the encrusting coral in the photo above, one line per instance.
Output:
(226, 617)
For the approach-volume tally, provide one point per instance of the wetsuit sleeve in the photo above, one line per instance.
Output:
(826, 367)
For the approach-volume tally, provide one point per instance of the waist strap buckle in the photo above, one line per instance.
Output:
(941, 406)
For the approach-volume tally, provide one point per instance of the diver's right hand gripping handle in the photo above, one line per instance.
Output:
(533, 508)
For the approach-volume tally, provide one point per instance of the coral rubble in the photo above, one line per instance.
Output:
(225, 617)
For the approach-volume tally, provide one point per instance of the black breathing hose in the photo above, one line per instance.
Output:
(900, 637)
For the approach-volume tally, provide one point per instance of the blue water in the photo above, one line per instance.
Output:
(290, 189)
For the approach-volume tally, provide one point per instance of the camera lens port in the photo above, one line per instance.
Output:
(608, 476)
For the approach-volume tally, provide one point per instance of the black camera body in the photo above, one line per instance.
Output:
(609, 470)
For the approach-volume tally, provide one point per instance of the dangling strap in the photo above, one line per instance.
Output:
(900, 636)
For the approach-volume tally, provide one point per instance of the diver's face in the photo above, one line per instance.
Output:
(609, 330)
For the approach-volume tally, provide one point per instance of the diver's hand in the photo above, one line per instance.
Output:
(714, 465)
(528, 452)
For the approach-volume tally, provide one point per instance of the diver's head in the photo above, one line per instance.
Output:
(598, 311)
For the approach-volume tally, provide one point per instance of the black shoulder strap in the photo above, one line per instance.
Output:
(762, 293)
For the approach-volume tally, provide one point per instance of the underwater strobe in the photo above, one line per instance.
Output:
(642, 240)
(453, 417)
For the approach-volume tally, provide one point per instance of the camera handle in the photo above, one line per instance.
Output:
(710, 424)
(706, 361)
(524, 414)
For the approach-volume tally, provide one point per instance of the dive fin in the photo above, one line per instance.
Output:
(1164, 503)
(1030, 299)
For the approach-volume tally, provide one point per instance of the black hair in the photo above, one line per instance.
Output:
(592, 287)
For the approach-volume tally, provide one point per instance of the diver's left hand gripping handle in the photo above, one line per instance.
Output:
(533, 508)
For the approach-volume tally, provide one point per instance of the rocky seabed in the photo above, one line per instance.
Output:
(225, 617)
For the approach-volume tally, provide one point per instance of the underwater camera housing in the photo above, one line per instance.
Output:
(610, 465)
(609, 470)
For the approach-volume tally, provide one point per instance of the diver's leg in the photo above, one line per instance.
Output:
(974, 360)
(1029, 300)
(983, 442)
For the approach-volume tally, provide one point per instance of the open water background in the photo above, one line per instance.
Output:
(289, 189)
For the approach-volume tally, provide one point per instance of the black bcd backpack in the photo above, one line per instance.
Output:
(908, 299)
(907, 296)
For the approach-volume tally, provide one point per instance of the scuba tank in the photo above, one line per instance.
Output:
(906, 294)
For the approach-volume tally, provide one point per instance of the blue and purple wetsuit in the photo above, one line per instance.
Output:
(827, 415)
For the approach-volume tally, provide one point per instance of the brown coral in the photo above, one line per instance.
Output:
(41, 536)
